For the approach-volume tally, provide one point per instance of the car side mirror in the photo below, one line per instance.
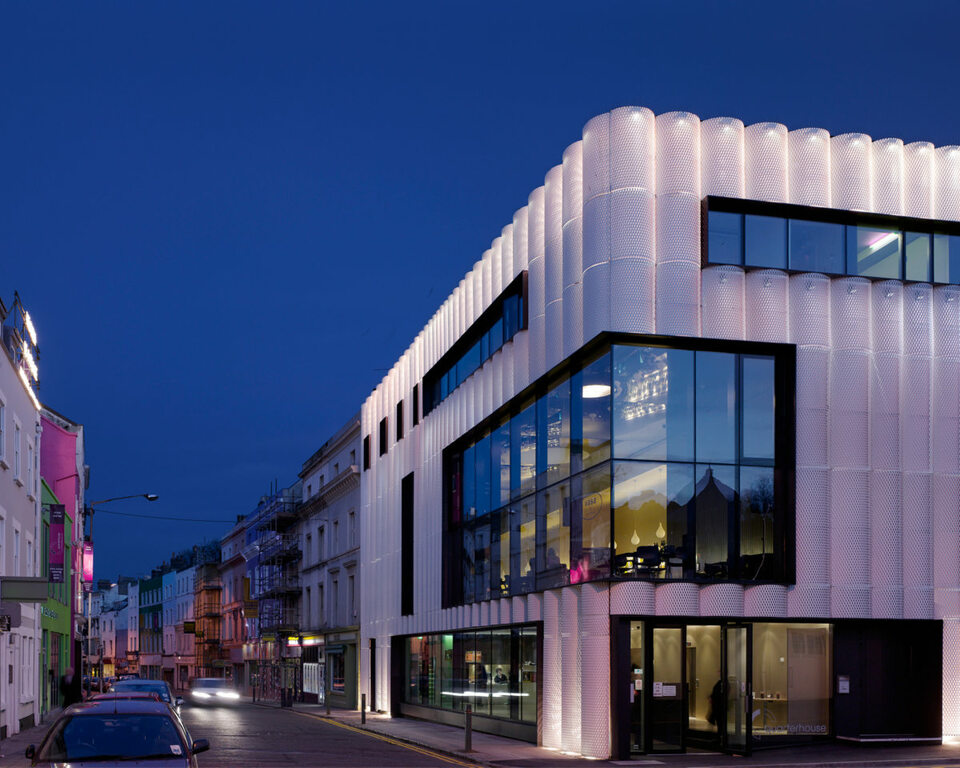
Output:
(200, 745)
(178, 701)
(31, 752)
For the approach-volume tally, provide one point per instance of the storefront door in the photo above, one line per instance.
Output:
(738, 686)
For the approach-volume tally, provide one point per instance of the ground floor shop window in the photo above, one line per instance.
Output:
(494, 670)
(791, 679)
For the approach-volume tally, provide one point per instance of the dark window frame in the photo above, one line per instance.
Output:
(366, 452)
(415, 399)
(785, 443)
(384, 435)
(847, 218)
(399, 421)
(509, 311)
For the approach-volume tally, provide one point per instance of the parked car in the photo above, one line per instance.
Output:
(115, 731)
(128, 676)
(213, 691)
(159, 687)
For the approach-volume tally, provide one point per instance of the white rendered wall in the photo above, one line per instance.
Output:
(611, 241)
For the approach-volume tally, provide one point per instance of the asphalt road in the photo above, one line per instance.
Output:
(248, 735)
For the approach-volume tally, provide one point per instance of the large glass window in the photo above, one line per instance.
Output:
(765, 239)
(495, 671)
(553, 525)
(816, 246)
(918, 247)
(873, 252)
(678, 475)
(792, 679)
(595, 429)
(726, 238)
(716, 407)
(523, 458)
(653, 403)
(592, 511)
(652, 503)
(553, 433)
(833, 242)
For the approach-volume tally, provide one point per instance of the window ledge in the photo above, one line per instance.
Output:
(18, 481)
(3, 463)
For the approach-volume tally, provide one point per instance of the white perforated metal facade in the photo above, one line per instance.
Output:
(612, 242)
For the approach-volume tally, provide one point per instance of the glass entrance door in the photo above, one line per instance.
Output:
(667, 700)
(737, 688)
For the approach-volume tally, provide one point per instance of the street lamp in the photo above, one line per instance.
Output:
(88, 515)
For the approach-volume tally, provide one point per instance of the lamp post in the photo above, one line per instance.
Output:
(88, 515)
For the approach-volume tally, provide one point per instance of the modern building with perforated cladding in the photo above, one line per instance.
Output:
(677, 464)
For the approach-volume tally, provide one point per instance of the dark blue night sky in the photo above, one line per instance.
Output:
(229, 219)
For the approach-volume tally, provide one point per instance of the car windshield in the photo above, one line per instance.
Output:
(216, 683)
(126, 686)
(89, 737)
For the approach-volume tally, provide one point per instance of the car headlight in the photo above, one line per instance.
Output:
(228, 694)
(200, 695)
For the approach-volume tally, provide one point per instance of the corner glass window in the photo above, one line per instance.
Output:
(759, 405)
(523, 453)
(553, 526)
(595, 393)
(716, 407)
(592, 512)
(765, 242)
(760, 551)
(873, 252)
(653, 403)
(500, 449)
(725, 239)
(816, 246)
(651, 507)
(716, 502)
(553, 434)
(917, 246)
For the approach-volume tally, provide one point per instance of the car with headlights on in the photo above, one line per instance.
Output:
(118, 731)
(213, 691)
(159, 687)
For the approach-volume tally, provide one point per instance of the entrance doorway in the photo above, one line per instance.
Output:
(697, 694)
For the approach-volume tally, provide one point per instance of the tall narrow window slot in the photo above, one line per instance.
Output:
(406, 545)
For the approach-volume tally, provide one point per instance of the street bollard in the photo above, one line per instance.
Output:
(363, 709)
(468, 730)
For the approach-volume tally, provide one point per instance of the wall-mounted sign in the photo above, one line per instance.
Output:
(57, 544)
(87, 565)
(843, 683)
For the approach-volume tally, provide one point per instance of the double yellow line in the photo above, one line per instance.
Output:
(389, 740)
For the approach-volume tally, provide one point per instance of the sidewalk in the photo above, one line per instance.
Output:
(13, 747)
(502, 752)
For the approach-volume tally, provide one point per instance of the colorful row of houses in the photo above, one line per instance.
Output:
(43, 478)
(273, 604)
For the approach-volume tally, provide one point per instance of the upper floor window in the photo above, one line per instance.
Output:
(399, 421)
(755, 234)
(366, 452)
(16, 452)
(415, 404)
(501, 321)
(641, 462)
(383, 436)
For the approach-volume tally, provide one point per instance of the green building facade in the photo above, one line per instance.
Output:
(55, 612)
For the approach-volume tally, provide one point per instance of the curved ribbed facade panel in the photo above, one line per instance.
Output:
(722, 157)
(678, 154)
(946, 193)
(767, 305)
(851, 174)
(765, 156)
(809, 166)
(632, 148)
(919, 165)
(888, 176)
(847, 515)
(722, 294)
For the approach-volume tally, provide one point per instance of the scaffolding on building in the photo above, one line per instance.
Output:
(207, 610)
(276, 587)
